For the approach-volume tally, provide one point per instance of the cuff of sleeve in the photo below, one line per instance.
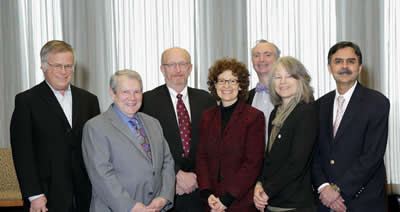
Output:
(323, 185)
(227, 199)
(35, 197)
(205, 193)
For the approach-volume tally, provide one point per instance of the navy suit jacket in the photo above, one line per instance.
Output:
(353, 159)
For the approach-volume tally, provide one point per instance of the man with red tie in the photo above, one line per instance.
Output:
(179, 109)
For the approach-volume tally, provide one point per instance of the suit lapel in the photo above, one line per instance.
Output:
(48, 96)
(170, 115)
(120, 125)
(234, 118)
(350, 112)
(329, 106)
(150, 138)
(75, 106)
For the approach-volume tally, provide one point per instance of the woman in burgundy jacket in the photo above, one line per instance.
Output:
(232, 141)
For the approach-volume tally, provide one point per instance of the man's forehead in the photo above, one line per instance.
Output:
(263, 47)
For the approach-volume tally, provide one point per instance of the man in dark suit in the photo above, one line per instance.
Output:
(162, 103)
(348, 169)
(263, 54)
(46, 132)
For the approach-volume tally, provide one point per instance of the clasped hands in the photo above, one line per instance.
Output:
(332, 199)
(216, 204)
(156, 205)
(39, 205)
(260, 198)
(186, 182)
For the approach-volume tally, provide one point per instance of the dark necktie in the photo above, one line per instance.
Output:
(185, 126)
(145, 145)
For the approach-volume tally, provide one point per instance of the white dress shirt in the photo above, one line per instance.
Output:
(263, 103)
(185, 99)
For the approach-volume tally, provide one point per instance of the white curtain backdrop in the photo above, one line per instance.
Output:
(25, 27)
(114, 35)
(302, 29)
(391, 87)
(221, 31)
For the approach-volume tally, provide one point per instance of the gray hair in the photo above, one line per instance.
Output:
(54, 46)
(131, 74)
(277, 50)
(299, 72)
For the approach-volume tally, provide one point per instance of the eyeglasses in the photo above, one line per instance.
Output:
(60, 67)
(174, 65)
(229, 82)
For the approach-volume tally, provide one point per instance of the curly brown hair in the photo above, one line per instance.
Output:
(238, 69)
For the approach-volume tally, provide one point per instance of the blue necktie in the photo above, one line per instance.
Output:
(145, 145)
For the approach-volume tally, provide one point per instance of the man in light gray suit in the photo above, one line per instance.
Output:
(127, 158)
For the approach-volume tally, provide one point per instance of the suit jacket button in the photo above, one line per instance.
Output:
(154, 173)
(332, 162)
(150, 193)
(183, 155)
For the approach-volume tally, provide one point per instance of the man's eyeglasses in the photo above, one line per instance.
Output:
(60, 67)
(229, 82)
(174, 65)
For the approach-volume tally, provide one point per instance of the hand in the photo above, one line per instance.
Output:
(140, 207)
(215, 204)
(178, 190)
(260, 198)
(187, 181)
(328, 195)
(157, 204)
(338, 205)
(39, 205)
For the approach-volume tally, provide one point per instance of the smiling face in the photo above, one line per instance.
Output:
(263, 56)
(285, 84)
(345, 66)
(176, 68)
(227, 88)
(128, 96)
(58, 78)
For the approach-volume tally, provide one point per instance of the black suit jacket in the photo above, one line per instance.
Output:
(157, 103)
(286, 175)
(353, 159)
(252, 93)
(47, 151)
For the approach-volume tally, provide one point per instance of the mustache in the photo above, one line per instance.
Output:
(345, 71)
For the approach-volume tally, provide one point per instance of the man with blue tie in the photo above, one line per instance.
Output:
(348, 168)
(264, 54)
(126, 155)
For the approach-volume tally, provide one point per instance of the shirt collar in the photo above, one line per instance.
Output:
(124, 117)
(68, 91)
(348, 93)
(174, 93)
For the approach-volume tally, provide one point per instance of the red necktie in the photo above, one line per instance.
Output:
(185, 126)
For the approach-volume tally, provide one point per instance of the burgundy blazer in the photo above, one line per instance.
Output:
(238, 152)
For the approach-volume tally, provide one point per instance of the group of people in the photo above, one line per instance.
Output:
(177, 148)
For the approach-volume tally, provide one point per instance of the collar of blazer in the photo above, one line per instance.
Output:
(122, 127)
(353, 109)
(48, 96)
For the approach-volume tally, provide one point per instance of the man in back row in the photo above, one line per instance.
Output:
(179, 109)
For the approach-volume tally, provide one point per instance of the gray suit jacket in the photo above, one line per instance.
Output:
(120, 172)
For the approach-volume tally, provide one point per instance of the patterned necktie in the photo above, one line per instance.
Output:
(185, 126)
(145, 145)
(261, 88)
(339, 114)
